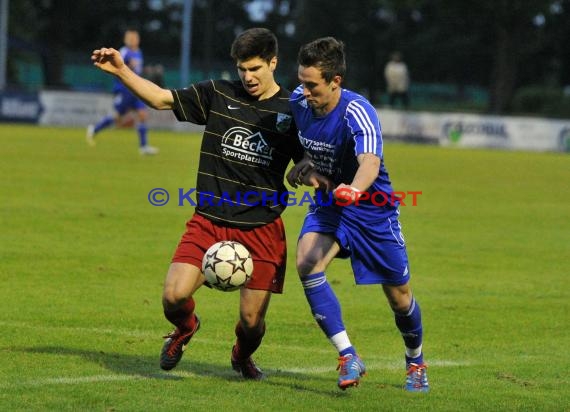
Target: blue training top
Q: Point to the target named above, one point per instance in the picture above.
(336, 139)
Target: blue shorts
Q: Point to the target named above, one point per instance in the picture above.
(125, 101)
(376, 246)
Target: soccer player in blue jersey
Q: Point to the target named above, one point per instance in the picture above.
(125, 101)
(341, 132)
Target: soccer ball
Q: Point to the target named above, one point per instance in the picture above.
(227, 265)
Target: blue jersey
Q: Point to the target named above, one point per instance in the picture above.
(133, 59)
(336, 139)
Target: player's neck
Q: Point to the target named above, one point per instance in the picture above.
(329, 107)
(270, 92)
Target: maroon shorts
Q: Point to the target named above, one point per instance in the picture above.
(265, 243)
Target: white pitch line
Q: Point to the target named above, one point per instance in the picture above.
(372, 362)
(380, 366)
(102, 331)
(147, 334)
(186, 374)
(375, 365)
(72, 381)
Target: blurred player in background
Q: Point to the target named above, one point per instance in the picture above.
(124, 101)
(397, 81)
(341, 133)
(248, 142)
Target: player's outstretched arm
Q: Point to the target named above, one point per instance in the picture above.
(367, 172)
(109, 60)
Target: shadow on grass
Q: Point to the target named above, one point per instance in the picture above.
(147, 367)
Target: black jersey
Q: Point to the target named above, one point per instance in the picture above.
(246, 147)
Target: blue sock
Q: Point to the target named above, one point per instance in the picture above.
(326, 310)
(103, 123)
(142, 130)
(410, 326)
(348, 350)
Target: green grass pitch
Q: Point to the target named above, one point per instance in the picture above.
(83, 256)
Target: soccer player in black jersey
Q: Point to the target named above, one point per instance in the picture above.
(248, 141)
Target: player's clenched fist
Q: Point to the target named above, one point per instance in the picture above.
(346, 195)
(296, 175)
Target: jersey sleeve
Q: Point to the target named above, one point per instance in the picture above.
(192, 104)
(365, 127)
(294, 101)
(298, 150)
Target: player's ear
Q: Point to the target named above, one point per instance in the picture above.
(336, 81)
(273, 63)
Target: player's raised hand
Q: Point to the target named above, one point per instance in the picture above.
(108, 60)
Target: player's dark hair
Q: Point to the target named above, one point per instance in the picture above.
(255, 42)
(326, 54)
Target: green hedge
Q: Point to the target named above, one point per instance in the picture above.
(541, 101)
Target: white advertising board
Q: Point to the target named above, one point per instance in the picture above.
(469, 130)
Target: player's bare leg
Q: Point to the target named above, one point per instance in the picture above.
(181, 282)
(249, 331)
(399, 297)
(409, 321)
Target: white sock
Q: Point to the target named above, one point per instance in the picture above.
(340, 341)
(414, 353)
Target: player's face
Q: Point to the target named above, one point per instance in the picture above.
(256, 76)
(321, 95)
(132, 40)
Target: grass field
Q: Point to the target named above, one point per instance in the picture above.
(83, 256)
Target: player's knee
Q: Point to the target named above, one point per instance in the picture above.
(400, 303)
(307, 265)
(173, 298)
(399, 297)
(400, 306)
(251, 321)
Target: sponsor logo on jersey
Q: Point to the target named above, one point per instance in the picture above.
(283, 122)
(241, 144)
(322, 154)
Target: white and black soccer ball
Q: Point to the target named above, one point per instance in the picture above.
(227, 265)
